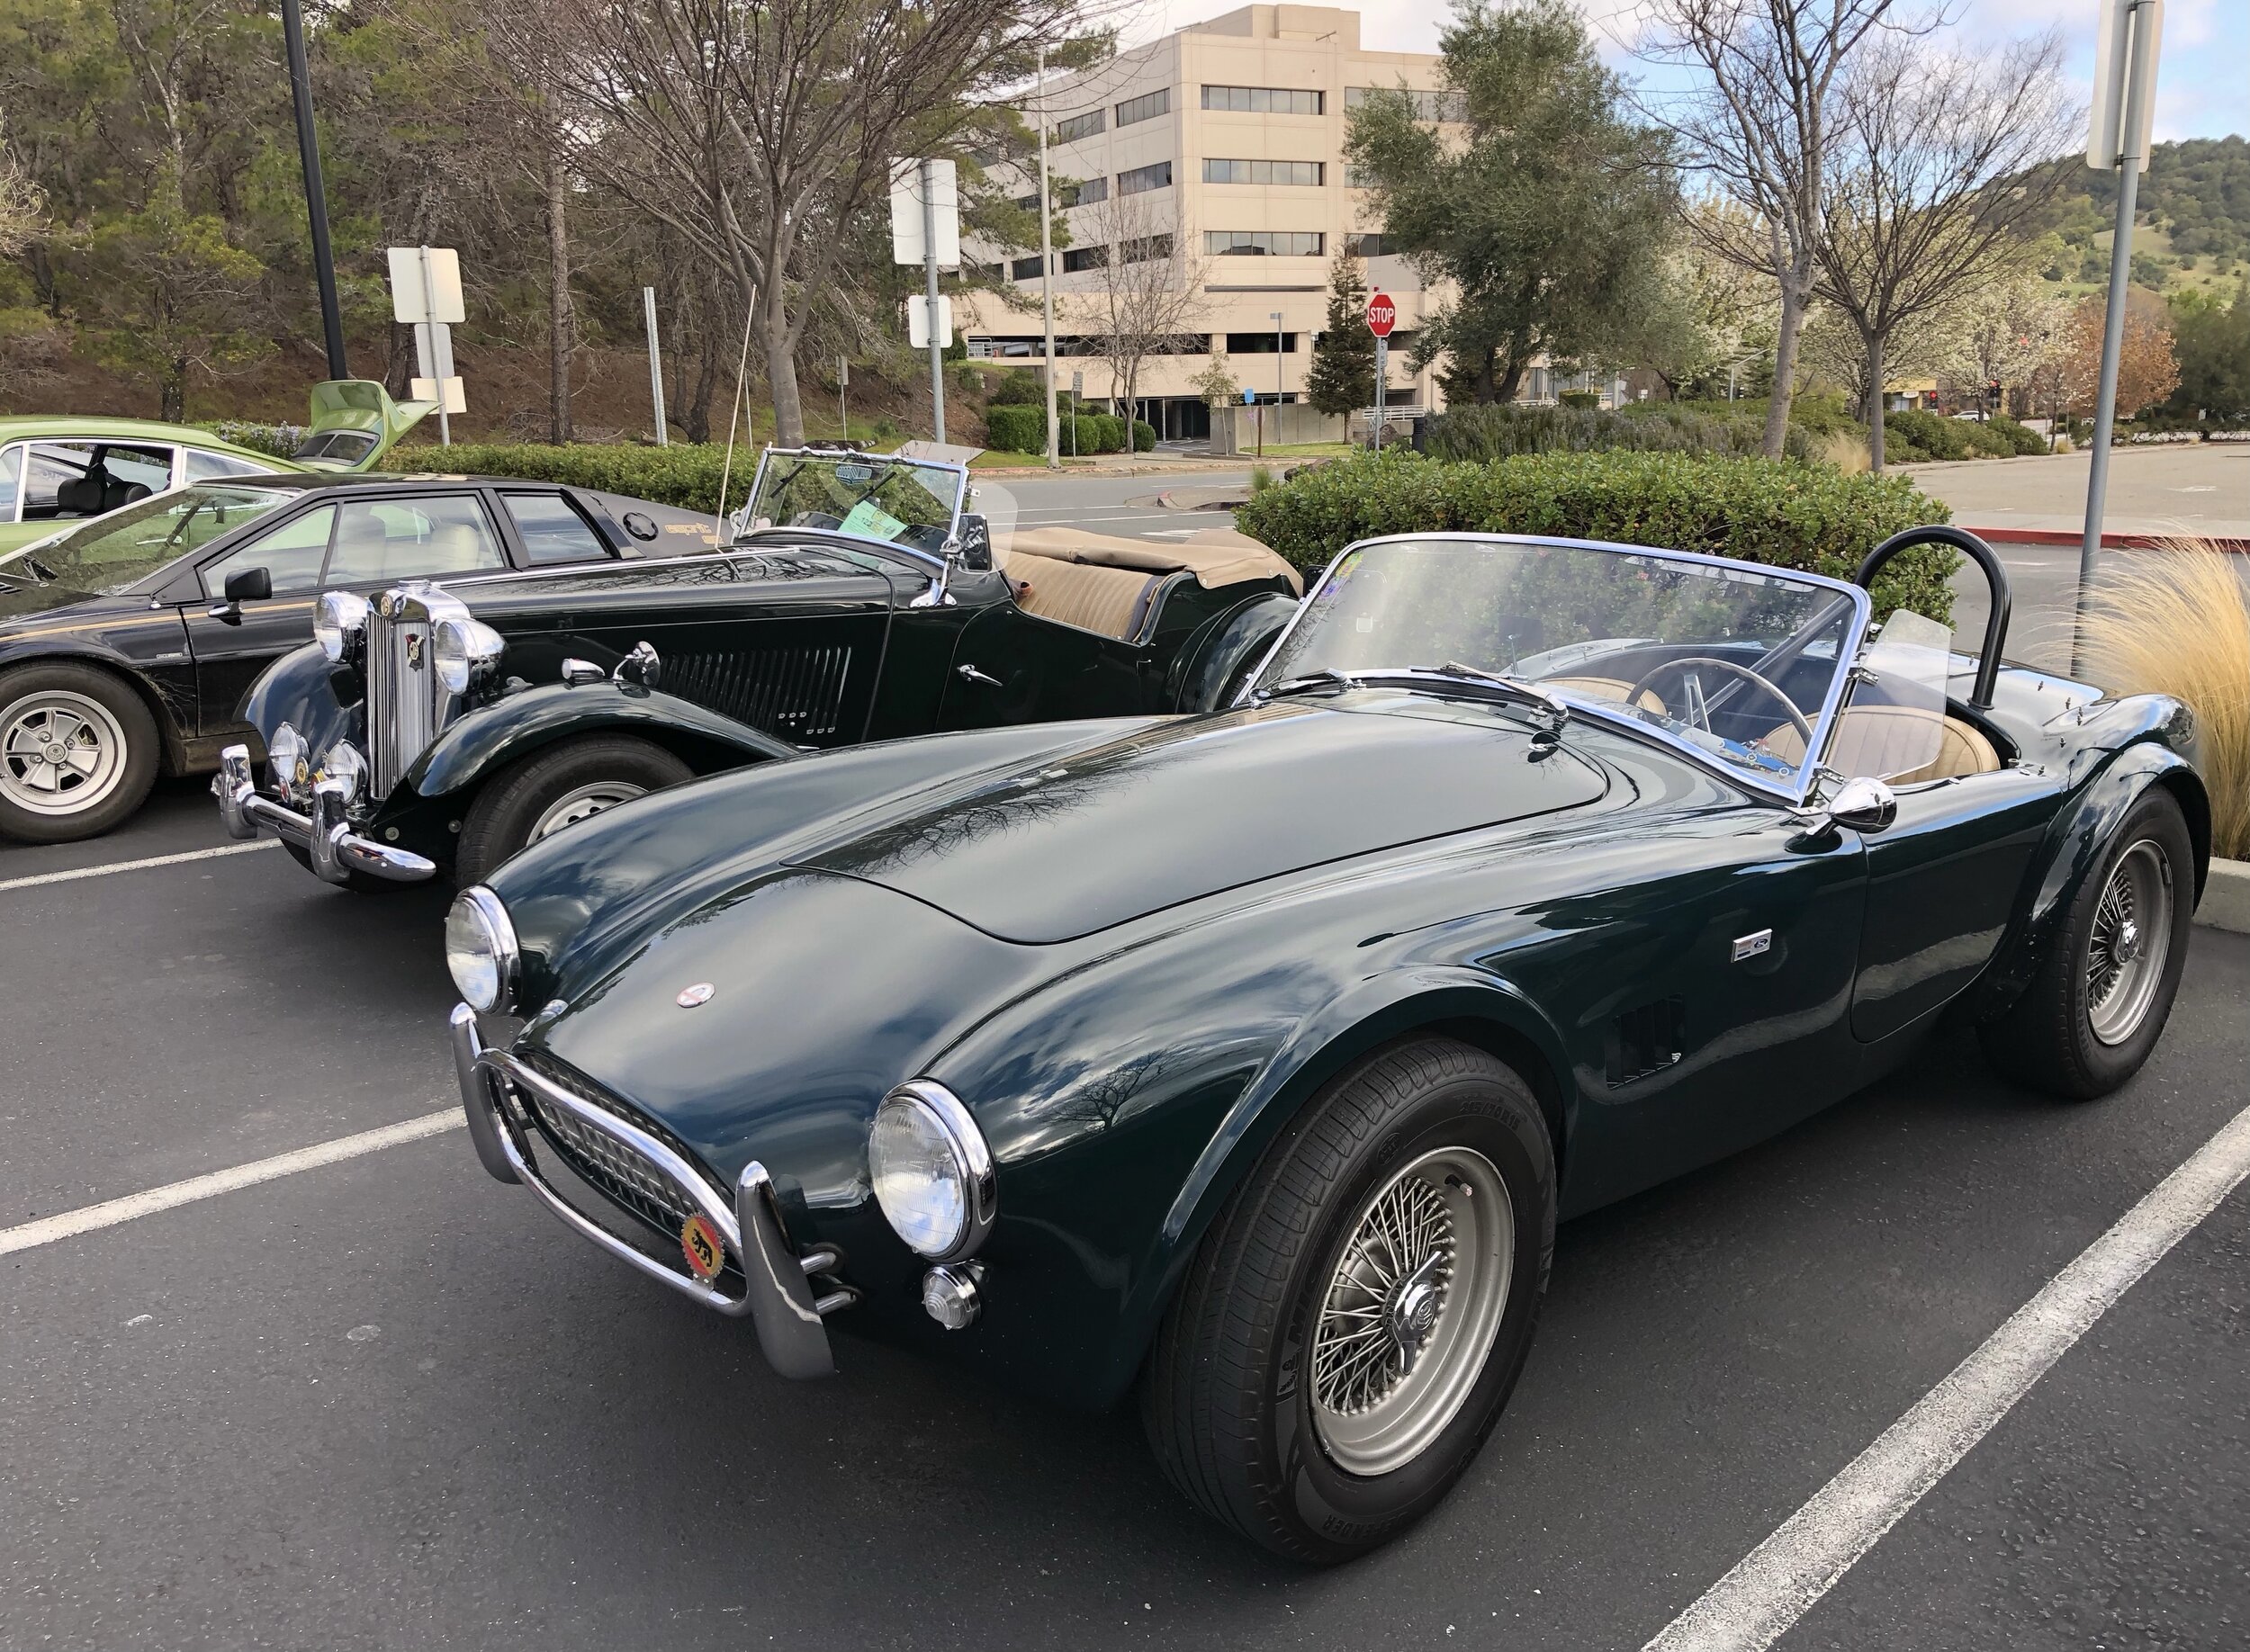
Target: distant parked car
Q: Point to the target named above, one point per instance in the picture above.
(61, 468)
(126, 643)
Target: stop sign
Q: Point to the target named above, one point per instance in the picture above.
(1381, 314)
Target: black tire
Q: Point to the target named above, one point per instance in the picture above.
(1230, 1421)
(2047, 1039)
(111, 714)
(502, 819)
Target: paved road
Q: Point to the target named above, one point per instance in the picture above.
(388, 1403)
(2204, 488)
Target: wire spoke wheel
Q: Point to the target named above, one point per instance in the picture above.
(60, 752)
(582, 804)
(1410, 1312)
(2131, 938)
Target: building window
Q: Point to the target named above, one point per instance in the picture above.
(1031, 203)
(1427, 105)
(1141, 178)
(1266, 243)
(1363, 246)
(1261, 344)
(1085, 258)
(1146, 107)
(1080, 126)
(1147, 249)
(1264, 99)
(1309, 173)
(1084, 192)
(1025, 269)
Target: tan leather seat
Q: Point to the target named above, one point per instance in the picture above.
(1876, 740)
(1113, 601)
(1605, 689)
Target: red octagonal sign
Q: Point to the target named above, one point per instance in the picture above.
(1381, 315)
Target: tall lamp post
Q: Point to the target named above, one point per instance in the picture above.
(316, 199)
(1046, 283)
(1281, 367)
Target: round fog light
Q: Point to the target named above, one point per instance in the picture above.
(949, 1294)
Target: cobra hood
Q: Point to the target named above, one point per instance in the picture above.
(1179, 810)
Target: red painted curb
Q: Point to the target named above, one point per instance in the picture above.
(2111, 542)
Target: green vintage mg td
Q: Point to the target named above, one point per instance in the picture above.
(1246, 1060)
(438, 727)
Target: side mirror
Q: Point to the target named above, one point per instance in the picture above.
(249, 584)
(1864, 804)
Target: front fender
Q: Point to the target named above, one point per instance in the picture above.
(2073, 844)
(492, 736)
(323, 702)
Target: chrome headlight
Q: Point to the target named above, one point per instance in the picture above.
(462, 647)
(283, 753)
(344, 763)
(480, 951)
(933, 1171)
(339, 624)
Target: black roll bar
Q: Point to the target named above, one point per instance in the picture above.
(1995, 578)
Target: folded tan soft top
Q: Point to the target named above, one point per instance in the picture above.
(1215, 556)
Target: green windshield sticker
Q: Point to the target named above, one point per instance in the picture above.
(871, 521)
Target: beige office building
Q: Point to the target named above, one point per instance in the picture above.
(1213, 156)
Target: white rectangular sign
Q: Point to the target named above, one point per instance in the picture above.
(456, 396)
(918, 321)
(945, 196)
(425, 285)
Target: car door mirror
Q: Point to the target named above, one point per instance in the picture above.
(1861, 803)
(249, 584)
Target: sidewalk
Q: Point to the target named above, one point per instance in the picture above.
(2156, 493)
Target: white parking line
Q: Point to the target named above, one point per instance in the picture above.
(136, 866)
(47, 1230)
(1754, 1604)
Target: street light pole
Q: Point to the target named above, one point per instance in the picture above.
(1047, 280)
(930, 296)
(1281, 368)
(316, 198)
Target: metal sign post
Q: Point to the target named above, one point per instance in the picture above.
(655, 366)
(2125, 98)
(1077, 399)
(1257, 415)
(926, 229)
(844, 382)
(930, 277)
(1383, 315)
(426, 295)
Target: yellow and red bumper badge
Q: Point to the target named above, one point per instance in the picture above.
(705, 1250)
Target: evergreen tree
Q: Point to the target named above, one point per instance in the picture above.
(1343, 374)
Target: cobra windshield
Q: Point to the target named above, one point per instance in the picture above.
(915, 503)
(1741, 664)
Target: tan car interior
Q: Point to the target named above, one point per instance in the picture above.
(1103, 583)
(1871, 741)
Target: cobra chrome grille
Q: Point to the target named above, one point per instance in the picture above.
(613, 1168)
(403, 696)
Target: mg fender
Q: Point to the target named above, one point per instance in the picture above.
(321, 700)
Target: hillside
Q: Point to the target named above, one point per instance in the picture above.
(2192, 217)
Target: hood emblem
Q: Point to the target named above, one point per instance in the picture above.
(700, 993)
(413, 651)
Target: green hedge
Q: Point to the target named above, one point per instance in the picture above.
(2020, 437)
(1144, 436)
(1475, 434)
(1785, 514)
(282, 441)
(1010, 429)
(686, 473)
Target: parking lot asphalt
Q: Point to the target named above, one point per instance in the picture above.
(388, 1403)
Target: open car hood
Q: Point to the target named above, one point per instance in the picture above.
(349, 413)
(1187, 808)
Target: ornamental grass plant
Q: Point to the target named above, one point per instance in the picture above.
(2182, 628)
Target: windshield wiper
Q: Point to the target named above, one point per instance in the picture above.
(1337, 681)
(1522, 688)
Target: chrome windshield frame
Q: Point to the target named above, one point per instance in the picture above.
(736, 525)
(1807, 777)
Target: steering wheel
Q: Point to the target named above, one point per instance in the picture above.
(1788, 707)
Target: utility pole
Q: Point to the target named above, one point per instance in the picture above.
(316, 198)
(1047, 280)
(2124, 91)
(930, 279)
(1281, 367)
(844, 382)
(655, 365)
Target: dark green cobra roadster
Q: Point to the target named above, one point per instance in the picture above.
(1247, 1059)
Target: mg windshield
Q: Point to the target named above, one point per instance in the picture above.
(1741, 664)
(108, 554)
(908, 502)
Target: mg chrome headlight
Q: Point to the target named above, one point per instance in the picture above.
(344, 763)
(339, 624)
(480, 950)
(933, 1171)
(283, 753)
(462, 647)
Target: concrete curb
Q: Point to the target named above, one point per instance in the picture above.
(2226, 903)
(2112, 540)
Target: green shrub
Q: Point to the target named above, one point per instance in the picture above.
(1014, 428)
(1019, 387)
(2020, 437)
(1580, 399)
(1985, 440)
(281, 441)
(1787, 515)
(1475, 434)
(686, 474)
(1928, 433)
(1144, 436)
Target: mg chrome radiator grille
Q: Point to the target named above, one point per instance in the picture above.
(404, 698)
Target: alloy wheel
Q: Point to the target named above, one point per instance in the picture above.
(60, 753)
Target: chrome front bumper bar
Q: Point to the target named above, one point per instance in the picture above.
(777, 1301)
(324, 835)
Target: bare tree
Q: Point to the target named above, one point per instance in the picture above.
(1936, 174)
(1758, 122)
(760, 132)
(1149, 288)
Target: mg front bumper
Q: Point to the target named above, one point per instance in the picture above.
(325, 834)
(497, 1092)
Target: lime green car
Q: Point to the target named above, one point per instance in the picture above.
(59, 468)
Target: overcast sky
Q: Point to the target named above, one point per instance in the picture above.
(2202, 86)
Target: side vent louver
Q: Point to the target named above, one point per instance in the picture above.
(1646, 1039)
(794, 692)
